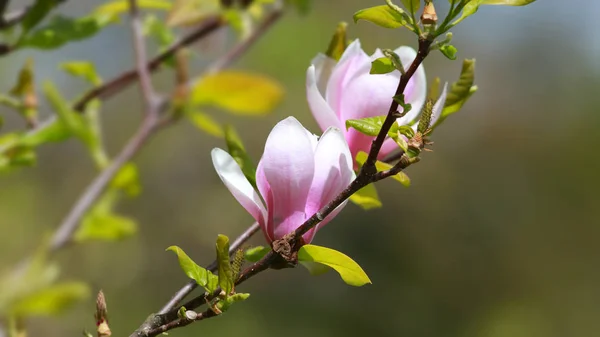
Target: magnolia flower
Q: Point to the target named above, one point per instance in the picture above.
(297, 175)
(346, 90)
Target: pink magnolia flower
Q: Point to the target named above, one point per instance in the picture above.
(346, 90)
(297, 175)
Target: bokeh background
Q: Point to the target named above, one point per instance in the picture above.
(496, 237)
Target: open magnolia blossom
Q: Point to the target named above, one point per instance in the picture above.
(297, 175)
(346, 90)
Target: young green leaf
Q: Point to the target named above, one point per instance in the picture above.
(461, 90)
(226, 280)
(61, 30)
(227, 302)
(314, 268)
(37, 13)
(128, 180)
(338, 43)
(25, 83)
(469, 9)
(105, 226)
(361, 158)
(382, 16)
(382, 65)
(349, 270)
(449, 51)
(50, 300)
(369, 126)
(367, 198)
(237, 92)
(83, 69)
(206, 123)
(254, 254)
(117, 7)
(186, 12)
(236, 149)
(412, 5)
(158, 30)
(203, 277)
(507, 2)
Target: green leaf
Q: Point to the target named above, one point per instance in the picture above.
(61, 30)
(190, 12)
(449, 51)
(314, 268)
(382, 16)
(25, 81)
(72, 120)
(461, 90)
(507, 2)
(349, 270)
(37, 13)
(82, 69)
(105, 226)
(127, 179)
(121, 6)
(52, 131)
(158, 30)
(203, 277)
(382, 65)
(367, 198)
(206, 123)
(238, 92)
(369, 126)
(401, 177)
(51, 300)
(302, 6)
(469, 9)
(412, 5)
(236, 149)
(227, 302)
(254, 254)
(226, 280)
(338, 43)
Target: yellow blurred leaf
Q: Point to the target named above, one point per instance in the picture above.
(24, 83)
(51, 300)
(120, 6)
(206, 123)
(189, 12)
(238, 92)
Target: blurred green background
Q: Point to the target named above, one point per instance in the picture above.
(496, 237)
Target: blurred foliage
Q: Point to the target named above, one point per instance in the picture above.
(496, 237)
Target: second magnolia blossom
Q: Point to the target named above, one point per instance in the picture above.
(346, 90)
(297, 175)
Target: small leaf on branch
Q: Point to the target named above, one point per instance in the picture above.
(469, 9)
(507, 2)
(460, 91)
(348, 269)
(382, 65)
(61, 30)
(236, 149)
(338, 43)
(206, 123)
(51, 300)
(227, 302)
(101, 223)
(254, 254)
(367, 198)
(226, 280)
(369, 126)
(412, 5)
(401, 177)
(127, 179)
(203, 277)
(449, 51)
(382, 16)
(118, 7)
(83, 69)
(158, 30)
(186, 12)
(24, 83)
(238, 92)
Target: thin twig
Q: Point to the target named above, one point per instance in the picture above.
(180, 322)
(242, 47)
(139, 47)
(125, 79)
(191, 285)
(67, 228)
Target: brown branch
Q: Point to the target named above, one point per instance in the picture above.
(180, 322)
(127, 78)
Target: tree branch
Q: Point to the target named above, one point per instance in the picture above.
(122, 81)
